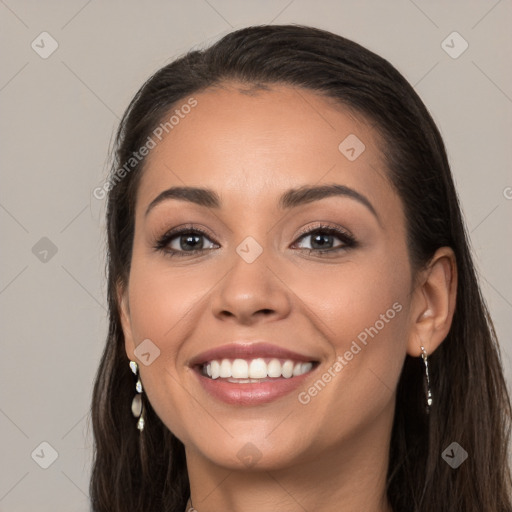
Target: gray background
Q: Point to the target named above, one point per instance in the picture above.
(58, 116)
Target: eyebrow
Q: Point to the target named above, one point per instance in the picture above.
(289, 199)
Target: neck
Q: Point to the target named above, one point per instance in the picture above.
(349, 478)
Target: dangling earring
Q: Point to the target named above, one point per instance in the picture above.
(191, 508)
(427, 378)
(137, 405)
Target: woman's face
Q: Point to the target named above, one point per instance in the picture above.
(258, 288)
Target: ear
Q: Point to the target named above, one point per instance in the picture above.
(433, 303)
(124, 314)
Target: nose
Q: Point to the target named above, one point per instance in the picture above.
(251, 293)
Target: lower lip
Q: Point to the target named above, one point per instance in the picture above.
(251, 393)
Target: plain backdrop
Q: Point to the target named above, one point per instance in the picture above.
(58, 114)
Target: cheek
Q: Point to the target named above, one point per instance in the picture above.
(161, 300)
(356, 294)
(361, 309)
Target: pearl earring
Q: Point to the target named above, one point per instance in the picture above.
(137, 405)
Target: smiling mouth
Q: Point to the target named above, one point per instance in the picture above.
(252, 371)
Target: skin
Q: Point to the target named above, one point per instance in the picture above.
(330, 454)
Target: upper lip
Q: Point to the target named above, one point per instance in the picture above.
(248, 350)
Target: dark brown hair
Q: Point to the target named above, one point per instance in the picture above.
(471, 405)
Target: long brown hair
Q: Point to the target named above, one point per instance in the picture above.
(471, 406)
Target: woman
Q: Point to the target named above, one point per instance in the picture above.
(295, 319)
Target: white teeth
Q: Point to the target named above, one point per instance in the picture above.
(243, 381)
(306, 367)
(257, 369)
(242, 371)
(215, 369)
(225, 369)
(274, 368)
(287, 370)
(239, 369)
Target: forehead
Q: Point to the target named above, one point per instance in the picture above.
(250, 145)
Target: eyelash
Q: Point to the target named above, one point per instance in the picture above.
(346, 238)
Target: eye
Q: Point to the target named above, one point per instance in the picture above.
(321, 239)
(184, 241)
